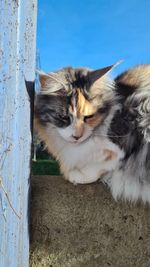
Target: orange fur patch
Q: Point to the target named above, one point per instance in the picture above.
(79, 128)
(109, 155)
(94, 121)
(80, 110)
(84, 107)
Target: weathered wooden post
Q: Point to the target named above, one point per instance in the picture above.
(17, 65)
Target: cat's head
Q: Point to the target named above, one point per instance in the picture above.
(75, 101)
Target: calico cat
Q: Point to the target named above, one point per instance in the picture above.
(98, 128)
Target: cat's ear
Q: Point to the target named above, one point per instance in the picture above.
(95, 75)
(50, 82)
(44, 80)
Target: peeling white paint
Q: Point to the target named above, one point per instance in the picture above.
(17, 63)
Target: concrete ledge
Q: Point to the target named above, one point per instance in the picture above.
(82, 226)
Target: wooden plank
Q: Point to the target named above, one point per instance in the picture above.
(17, 63)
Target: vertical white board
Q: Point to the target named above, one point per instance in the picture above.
(17, 64)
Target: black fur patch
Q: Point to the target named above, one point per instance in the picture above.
(126, 128)
(105, 108)
(53, 109)
(124, 132)
(123, 89)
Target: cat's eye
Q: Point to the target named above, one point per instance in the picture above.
(88, 117)
(66, 119)
(63, 117)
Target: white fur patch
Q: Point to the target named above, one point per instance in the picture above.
(68, 133)
(83, 162)
(128, 188)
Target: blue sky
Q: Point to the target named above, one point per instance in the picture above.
(93, 33)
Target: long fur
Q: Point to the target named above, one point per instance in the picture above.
(117, 148)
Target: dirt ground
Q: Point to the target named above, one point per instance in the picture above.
(82, 226)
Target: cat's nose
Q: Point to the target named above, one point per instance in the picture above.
(76, 137)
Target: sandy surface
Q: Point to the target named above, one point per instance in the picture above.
(82, 226)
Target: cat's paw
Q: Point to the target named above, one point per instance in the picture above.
(77, 177)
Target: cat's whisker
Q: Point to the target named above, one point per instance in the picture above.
(103, 135)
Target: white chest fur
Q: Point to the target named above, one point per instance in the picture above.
(84, 162)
